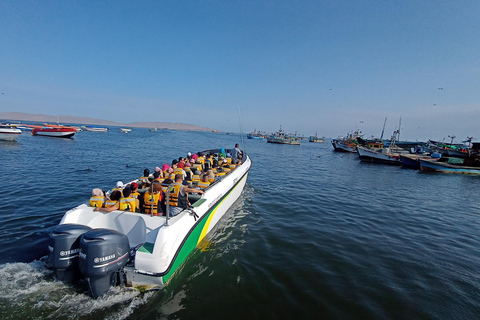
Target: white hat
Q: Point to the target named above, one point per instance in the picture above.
(189, 154)
(119, 184)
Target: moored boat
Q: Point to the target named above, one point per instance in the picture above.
(141, 250)
(378, 155)
(448, 167)
(9, 133)
(95, 129)
(54, 131)
(280, 137)
(315, 138)
(125, 130)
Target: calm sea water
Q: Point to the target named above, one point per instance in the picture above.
(316, 234)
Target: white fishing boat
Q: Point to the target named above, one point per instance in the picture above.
(9, 133)
(125, 130)
(141, 250)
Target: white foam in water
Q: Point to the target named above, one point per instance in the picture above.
(27, 290)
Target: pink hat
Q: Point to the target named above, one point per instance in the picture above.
(157, 169)
(194, 156)
(192, 160)
(165, 167)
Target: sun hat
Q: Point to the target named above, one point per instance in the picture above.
(119, 184)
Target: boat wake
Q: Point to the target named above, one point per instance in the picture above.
(27, 291)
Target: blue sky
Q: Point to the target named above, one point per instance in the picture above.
(310, 66)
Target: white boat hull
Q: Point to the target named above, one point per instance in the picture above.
(163, 245)
(371, 155)
(9, 134)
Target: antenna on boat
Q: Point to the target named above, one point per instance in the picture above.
(381, 136)
(241, 129)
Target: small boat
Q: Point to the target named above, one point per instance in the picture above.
(154, 130)
(95, 129)
(140, 250)
(54, 131)
(9, 133)
(346, 144)
(281, 137)
(448, 165)
(387, 155)
(315, 138)
(256, 135)
(125, 130)
(412, 161)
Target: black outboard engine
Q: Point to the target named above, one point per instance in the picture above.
(103, 253)
(63, 249)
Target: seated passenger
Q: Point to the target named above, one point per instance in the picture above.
(144, 179)
(119, 186)
(152, 200)
(196, 177)
(204, 183)
(112, 203)
(137, 195)
(178, 194)
(127, 202)
(157, 177)
(97, 199)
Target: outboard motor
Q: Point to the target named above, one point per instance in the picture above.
(103, 254)
(63, 249)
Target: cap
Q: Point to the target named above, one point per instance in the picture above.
(189, 154)
(133, 185)
(119, 184)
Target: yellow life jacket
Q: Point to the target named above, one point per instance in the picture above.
(110, 203)
(117, 189)
(151, 202)
(128, 204)
(97, 201)
(178, 171)
(226, 169)
(229, 160)
(201, 159)
(211, 180)
(135, 194)
(203, 184)
(176, 199)
(219, 174)
(196, 178)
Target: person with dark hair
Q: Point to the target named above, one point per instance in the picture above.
(127, 202)
(236, 154)
(178, 195)
(112, 203)
(144, 179)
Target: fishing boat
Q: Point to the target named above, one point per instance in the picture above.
(412, 161)
(448, 166)
(281, 137)
(124, 130)
(9, 133)
(346, 144)
(463, 165)
(95, 129)
(256, 135)
(139, 250)
(315, 138)
(388, 155)
(54, 131)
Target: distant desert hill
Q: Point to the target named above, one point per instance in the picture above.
(83, 120)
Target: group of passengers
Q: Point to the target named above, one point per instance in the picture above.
(191, 174)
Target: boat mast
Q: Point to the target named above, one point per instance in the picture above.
(381, 136)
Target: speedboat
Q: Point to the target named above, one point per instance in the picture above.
(125, 130)
(9, 133)
(135, 249)
(54, 131)
(96, 129)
